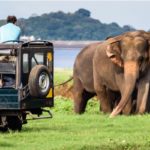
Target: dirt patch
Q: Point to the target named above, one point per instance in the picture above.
(64, 90)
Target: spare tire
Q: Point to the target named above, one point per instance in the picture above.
(39, 81)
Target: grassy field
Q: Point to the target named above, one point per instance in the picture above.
(62, 75)
(90, 131)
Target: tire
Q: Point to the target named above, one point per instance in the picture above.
(39, 81)
(4, 124)
(14, 123)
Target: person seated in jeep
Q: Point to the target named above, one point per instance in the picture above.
(10, 31)
(7, 81)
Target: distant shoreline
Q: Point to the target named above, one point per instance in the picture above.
(72, 44)
(61, 43)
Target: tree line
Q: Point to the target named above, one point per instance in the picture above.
(69, 26)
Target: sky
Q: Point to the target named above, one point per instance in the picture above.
(133, 12)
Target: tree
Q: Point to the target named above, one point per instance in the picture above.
(83, 12)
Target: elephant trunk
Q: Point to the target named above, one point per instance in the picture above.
(131, 73)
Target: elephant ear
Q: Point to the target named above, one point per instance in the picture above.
(113, 51)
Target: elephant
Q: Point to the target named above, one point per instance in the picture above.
(84, 90)
(113, 65)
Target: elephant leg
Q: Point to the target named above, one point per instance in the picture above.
(143, 91)
(81, 96)
(127, 109)
(114, 98)
(101, 92)
(148, 103)
(105, 104)
(86, 96)
(143, 94)
(77, 93)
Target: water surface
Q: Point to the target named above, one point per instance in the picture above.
(65, 57)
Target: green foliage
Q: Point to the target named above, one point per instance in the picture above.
(69, 26)
(65, 107)
(83, 12)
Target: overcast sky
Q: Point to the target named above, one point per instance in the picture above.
(133, 12)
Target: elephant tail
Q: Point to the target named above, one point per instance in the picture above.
(63, 83)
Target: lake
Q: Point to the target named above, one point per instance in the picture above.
(65, 57)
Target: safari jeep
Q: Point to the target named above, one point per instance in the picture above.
(26, 82)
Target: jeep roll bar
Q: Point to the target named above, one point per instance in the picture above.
(37, 42)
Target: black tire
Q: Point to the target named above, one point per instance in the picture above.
(14, 123)
(4, 129)
(39, 81)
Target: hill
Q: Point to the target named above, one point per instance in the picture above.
(69, 26)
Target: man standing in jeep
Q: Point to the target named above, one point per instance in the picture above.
(10, 31)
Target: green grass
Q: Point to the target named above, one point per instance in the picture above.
(62, 75)
(91, 131)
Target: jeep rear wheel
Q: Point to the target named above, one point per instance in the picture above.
(39, 81)
(14, 123)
